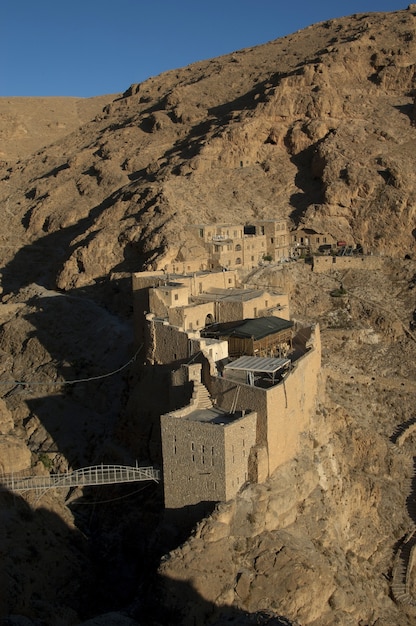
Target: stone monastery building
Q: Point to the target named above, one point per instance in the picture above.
(231, 246)
(243, 375)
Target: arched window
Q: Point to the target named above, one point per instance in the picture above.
(238, 261)
(238, 247)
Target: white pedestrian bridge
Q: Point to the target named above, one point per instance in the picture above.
(87, 476)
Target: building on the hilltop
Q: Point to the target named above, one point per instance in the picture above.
(310, 241)
(278, 244)
(251, 371)
(234, 304)
(263, 336)
(231, 246)
(206, 451)
(199, 300)
(246, 417)
(144, 298)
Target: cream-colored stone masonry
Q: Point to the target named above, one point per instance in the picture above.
(196, 283)
(328, 263)
(284, 410)
(205, 455)
(230, 246)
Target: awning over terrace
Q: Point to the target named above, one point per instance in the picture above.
(253, 365)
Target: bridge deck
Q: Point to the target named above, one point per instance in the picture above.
(96, 475)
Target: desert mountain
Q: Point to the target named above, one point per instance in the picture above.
(29, 124)
(318, 127)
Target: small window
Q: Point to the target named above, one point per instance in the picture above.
(201, 232)
(176, 296)
(272, 239)
(238, 261)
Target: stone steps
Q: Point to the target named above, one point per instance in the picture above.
(201, 396)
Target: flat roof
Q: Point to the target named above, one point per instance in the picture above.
(239, 295)
(257, 364)
(214, 415)
(255, 328)
(170, 285)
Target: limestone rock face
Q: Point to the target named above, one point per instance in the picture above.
(6, 419)
(317, 127)
(14, 454)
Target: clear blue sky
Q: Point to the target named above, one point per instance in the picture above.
(96, 47)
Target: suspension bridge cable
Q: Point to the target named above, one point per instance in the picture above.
(75, 380)
(70, 502)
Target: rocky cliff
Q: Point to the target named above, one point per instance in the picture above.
(318, 127)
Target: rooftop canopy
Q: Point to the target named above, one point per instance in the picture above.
(256, 364)
(256, 328)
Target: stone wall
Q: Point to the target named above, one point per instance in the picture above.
(166, 343)
(328, 263)
(254, 249)
(284, 410)
(227, 393)
(192, 317)
(202, 461)
(141, 283)
(291, 404)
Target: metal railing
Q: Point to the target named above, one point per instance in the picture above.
(95, 475)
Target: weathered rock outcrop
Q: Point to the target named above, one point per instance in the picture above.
(318, 127)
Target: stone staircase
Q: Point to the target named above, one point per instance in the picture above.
(406, 552)
(400, 587)
(200, 397)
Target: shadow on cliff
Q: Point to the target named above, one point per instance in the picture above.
(172, 601)
(41, 261)
(52, 573)
(311, 186)
(44, 568)
(74, 359)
